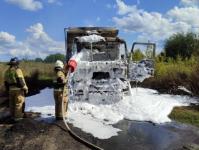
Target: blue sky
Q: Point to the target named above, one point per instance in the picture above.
(34, 28)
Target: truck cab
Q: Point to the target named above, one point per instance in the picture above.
(104, 69)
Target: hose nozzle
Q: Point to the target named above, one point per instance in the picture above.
(72, 64)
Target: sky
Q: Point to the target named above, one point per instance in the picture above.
(35, 28)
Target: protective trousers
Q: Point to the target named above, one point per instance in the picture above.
(16, 103)
(60, 95)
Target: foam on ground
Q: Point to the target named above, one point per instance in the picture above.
(97, 119)
(42, 103)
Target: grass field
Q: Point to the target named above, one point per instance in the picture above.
(33, 72)
(169, 75)
(189, 115)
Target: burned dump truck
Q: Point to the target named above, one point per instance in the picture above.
(104, 68)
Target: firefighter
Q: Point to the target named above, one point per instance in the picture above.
(60, 89)
(17, 88)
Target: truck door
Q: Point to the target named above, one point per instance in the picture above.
(141, 61)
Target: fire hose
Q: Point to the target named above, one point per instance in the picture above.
(72, 67)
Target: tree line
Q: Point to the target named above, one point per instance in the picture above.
(49, 59)
(179, 45)
(184, 45)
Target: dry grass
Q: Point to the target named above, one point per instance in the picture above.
(2, 70)
(29, 69)
(45, 70)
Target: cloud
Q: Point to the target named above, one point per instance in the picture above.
(37, 44)
(192, 3)
(10, 47)
(39, 39)
(123, 8)
(31, 5)
(153, 25)
(187, 15)
(6, 37)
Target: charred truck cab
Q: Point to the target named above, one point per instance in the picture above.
(103, 68)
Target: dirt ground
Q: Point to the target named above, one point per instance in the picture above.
(29, 134)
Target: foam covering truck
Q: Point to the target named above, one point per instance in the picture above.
(104, 65)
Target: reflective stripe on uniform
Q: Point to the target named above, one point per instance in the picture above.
(19, 73)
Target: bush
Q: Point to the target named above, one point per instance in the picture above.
(183, 45)
(54, 57)
(38, 60)
(137, 55)
(194, 80)
(173, 73)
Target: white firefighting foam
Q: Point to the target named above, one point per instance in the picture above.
(97, 119)
(99, 112)
(107, 90)
(139, 71)
(91, 38)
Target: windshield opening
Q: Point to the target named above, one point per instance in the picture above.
(100, 51)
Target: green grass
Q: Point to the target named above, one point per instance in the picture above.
(173, 73)
(188, 115)
(173, 67)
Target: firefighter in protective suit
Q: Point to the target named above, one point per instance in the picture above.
(60, 90)
(17, 88)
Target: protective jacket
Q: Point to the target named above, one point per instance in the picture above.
(60, 93)
(60, 80)
(16, 86)
(14, 79)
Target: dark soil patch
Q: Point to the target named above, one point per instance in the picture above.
(164, 86)
(31, 134)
